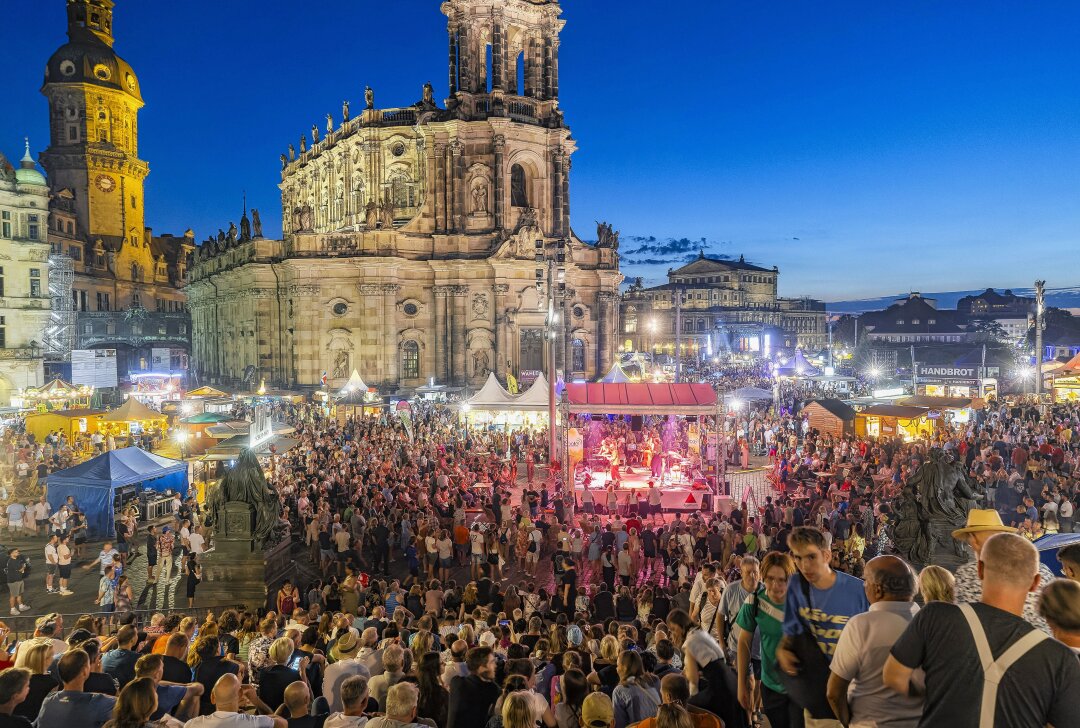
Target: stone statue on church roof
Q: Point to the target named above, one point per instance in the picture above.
(369, 97)
(256, 222)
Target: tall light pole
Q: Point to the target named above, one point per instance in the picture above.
(556, 285)
(1040, 306)
(677, 299)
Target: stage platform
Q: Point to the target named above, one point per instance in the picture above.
(673, 497)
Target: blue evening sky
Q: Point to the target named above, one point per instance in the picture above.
(865, 148)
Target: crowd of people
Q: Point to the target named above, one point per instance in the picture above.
(459, 587)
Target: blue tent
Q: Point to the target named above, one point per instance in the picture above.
(94, 483)
(1048, 547)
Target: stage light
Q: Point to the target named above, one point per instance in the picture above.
(181, 436)
(735, 404)
(466, 407)
(875, 373)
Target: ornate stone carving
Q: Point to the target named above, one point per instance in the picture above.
(500, 288)
(369, 289)
(304, 290)
(480, 304)
(441, 291)
(389, 288)
(459, 291)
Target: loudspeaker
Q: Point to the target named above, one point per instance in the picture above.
(635, 423)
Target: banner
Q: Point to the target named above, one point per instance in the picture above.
(694, 439)
(576, 444)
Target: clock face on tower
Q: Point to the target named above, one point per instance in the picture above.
(105, 183)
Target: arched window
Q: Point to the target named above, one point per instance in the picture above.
(577, 359)
(410, 360)
(519, 195)
(401, 192)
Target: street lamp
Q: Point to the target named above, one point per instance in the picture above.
(181, 437)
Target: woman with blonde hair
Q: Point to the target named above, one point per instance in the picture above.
(422, 643)
(937, 585)
(517, 709)
(673, 715)
(37, 660)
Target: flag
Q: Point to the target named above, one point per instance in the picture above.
(324, 379)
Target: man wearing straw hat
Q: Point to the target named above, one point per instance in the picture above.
(981, 525)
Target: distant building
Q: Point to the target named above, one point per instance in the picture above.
(991, 304)
(728, 306)
(914, 320)
(122, 284)
(24, 275)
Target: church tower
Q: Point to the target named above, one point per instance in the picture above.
(94, 101)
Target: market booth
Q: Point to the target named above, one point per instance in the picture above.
(682, 486)
(830, 416)
(958, 410)
(1066, 382)
(493, 406)
(892, 420)
(197, 439)
(132, 418)
(73, 423)
(104, 485)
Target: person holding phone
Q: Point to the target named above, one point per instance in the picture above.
(281, 673)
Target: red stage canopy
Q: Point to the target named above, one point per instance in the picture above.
(642, 399)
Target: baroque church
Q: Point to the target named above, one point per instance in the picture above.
(412, 235)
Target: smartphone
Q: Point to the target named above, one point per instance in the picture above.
(14, 646)
(294, 663)
(504, 622)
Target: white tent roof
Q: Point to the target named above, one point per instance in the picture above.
(355, 384)
(616, 375)
(492, 396)
(535, 397)
(750, 393)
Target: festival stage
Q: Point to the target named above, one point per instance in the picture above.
(678, 496)
(750, 486)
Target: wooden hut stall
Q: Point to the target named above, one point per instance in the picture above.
(830, 416)
(891, 420)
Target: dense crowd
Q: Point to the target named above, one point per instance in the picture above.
(517, 604)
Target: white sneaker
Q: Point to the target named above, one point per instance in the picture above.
(66, 592)
(14, 612)
(24, 607)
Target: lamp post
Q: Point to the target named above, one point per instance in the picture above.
(555, 277)
(1040, 306)
(181, 441)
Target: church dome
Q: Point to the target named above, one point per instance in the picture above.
(88, 60)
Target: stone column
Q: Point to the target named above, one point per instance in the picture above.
(439, 339)
(498, 55)
(458, 334)
(372, 305)
(452, 32)
(604, 302)
(528, 58)
(390, 345)
(566, 196)
(549, 47)
(440, 189)
(500, 181)
(458, 166)
(567, 335)
(553, 88)
(464, 56)
(500, 320)
(557, 157)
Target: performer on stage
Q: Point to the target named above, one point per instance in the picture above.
(658, 465)
(615, 476)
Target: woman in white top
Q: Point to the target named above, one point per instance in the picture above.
(703, 657)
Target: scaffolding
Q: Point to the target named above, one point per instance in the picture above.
(60, 333)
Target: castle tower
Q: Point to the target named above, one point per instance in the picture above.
(94, 101)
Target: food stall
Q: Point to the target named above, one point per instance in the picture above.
(1066, 382)
(892, 420)
(959, 410)
(196, 438)
(830, 416)
(132, 418)
(77, 424)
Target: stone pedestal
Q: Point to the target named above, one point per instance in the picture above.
(239, 571)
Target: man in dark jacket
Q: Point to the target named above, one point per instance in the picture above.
(472, 696)
(603, 604)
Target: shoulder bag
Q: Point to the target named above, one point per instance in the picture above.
(808, 687)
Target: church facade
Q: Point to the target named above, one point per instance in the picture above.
(412, 235)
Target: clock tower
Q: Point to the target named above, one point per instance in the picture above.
(94, 101)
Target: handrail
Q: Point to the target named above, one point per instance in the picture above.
(22, 626)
